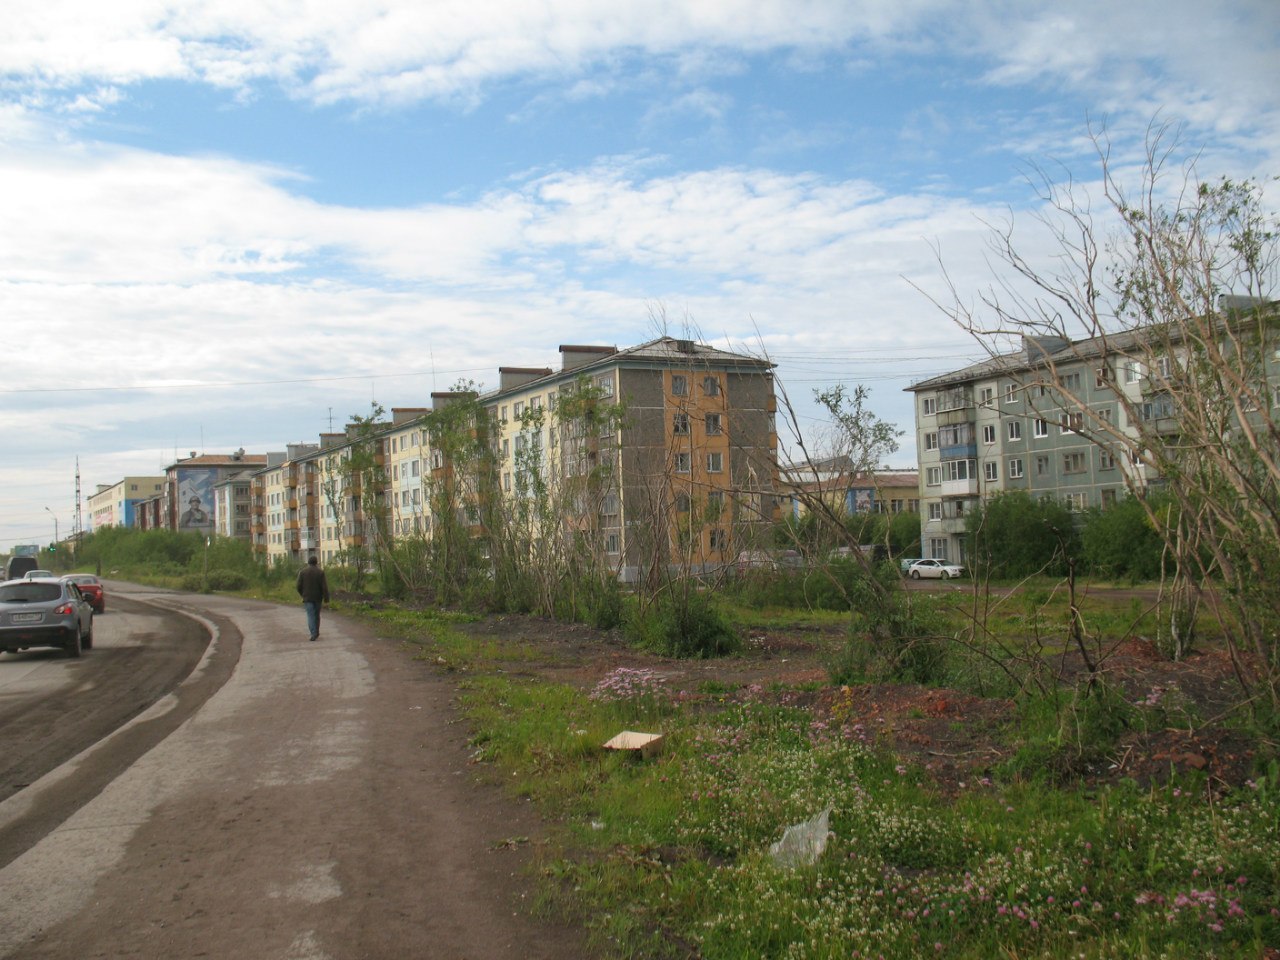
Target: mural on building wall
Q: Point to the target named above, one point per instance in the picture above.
(195, 499)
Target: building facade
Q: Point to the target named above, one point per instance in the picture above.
(1057, 420)
(114, 505)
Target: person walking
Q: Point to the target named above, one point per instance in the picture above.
(313, 588)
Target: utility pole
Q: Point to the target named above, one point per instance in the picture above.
(78, 531)
(55, 530)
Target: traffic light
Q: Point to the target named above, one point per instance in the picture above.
(53, 548)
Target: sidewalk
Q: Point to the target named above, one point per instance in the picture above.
(319, 805)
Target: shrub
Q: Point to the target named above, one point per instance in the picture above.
(692, 626)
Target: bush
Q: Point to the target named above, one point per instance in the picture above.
(692, 626)
(893, 637)
(1016, 535)
(1065, 732)
(1120, 542)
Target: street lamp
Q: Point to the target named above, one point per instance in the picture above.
(55, 527)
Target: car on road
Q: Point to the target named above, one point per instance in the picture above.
(92, 589)
(18, 565)
(39, 575)
(936, 569)
(44, 613)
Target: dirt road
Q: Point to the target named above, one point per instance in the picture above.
(319, 804)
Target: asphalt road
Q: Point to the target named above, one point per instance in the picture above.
(287, 801)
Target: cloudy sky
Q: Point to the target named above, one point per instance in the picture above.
(227, 224)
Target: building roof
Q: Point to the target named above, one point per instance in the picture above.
(239, 459)
(664, 351)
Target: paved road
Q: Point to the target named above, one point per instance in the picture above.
(310, 801)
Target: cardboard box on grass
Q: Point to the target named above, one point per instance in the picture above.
(644, 745)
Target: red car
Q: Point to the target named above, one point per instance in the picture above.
(91, 587)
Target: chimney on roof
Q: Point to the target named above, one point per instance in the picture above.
(1037, 349)
(193, 455)
(401, 415)
(685, 346)
(575, 355)
(509, 377)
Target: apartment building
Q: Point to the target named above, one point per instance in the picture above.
(848, 491)
(1056, 419)
(284, 504)
(407, 469)
(187, 500)
(114, 504)
(687, 475)
(233, 506)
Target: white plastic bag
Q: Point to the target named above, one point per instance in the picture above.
(802, 843)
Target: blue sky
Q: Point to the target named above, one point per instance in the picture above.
(226, 222)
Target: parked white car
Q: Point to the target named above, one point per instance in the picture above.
(937, 569)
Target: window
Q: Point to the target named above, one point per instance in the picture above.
(991, 471)
(986, 396)
(503, 415)
(715, 504)
(1015, 468)
(606, 386)
(1041, 428)
(931, 440)
(928, 406)
(1070, 422)
(1010, 393)
(682, 462)
(679, 385)
(1108, 497)
(680, 424)
(935, 511)
(933, 476)
(609, 505)
(506, 482)
(715, 462)
(713, 424)
(1101, 376)
(1014, 429)
(938, 548)
(682, 503)
(711, 386)
(1133, 371)
(518, 411)
(1042, 466)
(535, 403)
(718, 539)
(1075, 502)
(1071, 381)
(960, 469)
(1164, 367)
(989, 434)
(612, 544)
(1106, 460)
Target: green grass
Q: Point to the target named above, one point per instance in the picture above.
(670, 857)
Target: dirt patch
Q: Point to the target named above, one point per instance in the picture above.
(1182, 724)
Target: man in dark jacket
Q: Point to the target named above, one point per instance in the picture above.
(313, 588)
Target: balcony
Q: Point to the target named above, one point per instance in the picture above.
(955, 415)
(959, 451)
(960, 488)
